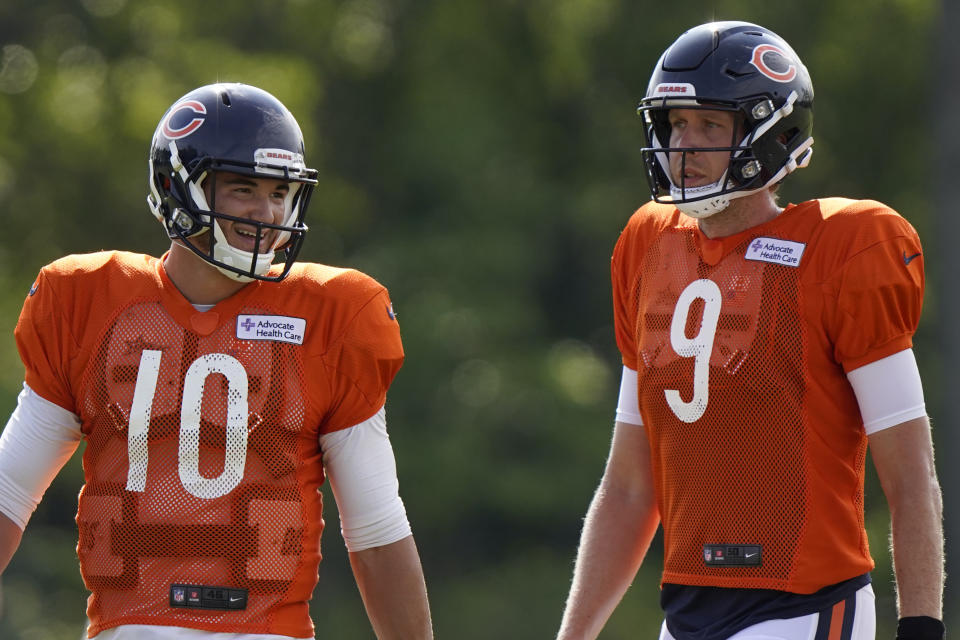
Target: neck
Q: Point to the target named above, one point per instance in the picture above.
(741, 214)
(197, 280)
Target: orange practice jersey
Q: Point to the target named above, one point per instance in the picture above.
(741, 346)
(202, 464)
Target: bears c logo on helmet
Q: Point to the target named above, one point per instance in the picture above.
(762, 53)
(188, 106)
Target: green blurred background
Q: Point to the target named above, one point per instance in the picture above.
(479, 158)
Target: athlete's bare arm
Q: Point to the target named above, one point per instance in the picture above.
(617, 531)
(903, 457)
(391, 583)
(10, 535)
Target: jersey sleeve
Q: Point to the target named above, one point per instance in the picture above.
(362, 364)
(879, 295)
(46, 344)
(625, 281)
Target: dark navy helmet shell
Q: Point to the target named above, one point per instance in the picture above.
(240, 129)
(739, 67)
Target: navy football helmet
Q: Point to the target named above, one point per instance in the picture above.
(240, 129)
(742, 68)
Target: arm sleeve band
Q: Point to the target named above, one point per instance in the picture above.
(38, 440)
(362, 470)
(888, 391)
(628, 406)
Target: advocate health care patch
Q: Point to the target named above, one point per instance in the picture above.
(279, 328)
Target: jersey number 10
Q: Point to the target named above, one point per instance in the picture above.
(235, 449)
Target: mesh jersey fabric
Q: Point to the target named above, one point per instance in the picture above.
(202, 463)
(755, 434)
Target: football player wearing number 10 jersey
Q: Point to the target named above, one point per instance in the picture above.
(215, 391)
(766, 350)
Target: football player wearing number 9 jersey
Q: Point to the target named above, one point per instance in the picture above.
(215, 391)
(766, 349)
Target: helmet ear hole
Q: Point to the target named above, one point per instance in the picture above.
(787, 137)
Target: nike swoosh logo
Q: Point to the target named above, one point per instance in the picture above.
(908, 259)
(232, 599)
(750, 555)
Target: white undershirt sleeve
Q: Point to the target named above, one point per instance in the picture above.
(889, 391)
(628, 405)
(39, 438)
(360, 464)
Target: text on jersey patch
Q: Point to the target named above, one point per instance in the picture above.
(279, 328)
(775, 250)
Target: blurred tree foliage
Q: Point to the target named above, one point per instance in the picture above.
(478, 157)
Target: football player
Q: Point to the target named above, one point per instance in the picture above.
(766, 349)
(215, 391)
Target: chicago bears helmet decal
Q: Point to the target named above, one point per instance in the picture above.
(759, 60)
(176, 115)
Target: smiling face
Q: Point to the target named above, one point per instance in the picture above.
(700, 129)
(255, 199)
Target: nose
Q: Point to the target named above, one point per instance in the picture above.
(263, 208)
(691, 138)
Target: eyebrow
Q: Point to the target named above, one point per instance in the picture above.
(249, 182)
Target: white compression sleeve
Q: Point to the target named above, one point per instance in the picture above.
(889, 391)
(362, 470)
(38, 440)
(41, 436)
(628, 405)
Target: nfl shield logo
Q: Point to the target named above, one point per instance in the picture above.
(179, 594)
(707, 555)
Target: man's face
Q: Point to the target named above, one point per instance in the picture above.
(700, 128)
(258, 199)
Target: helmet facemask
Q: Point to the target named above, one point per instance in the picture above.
(737, 67)
(185, 168)
(758, 127)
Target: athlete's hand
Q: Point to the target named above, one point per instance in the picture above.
(920, 628)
